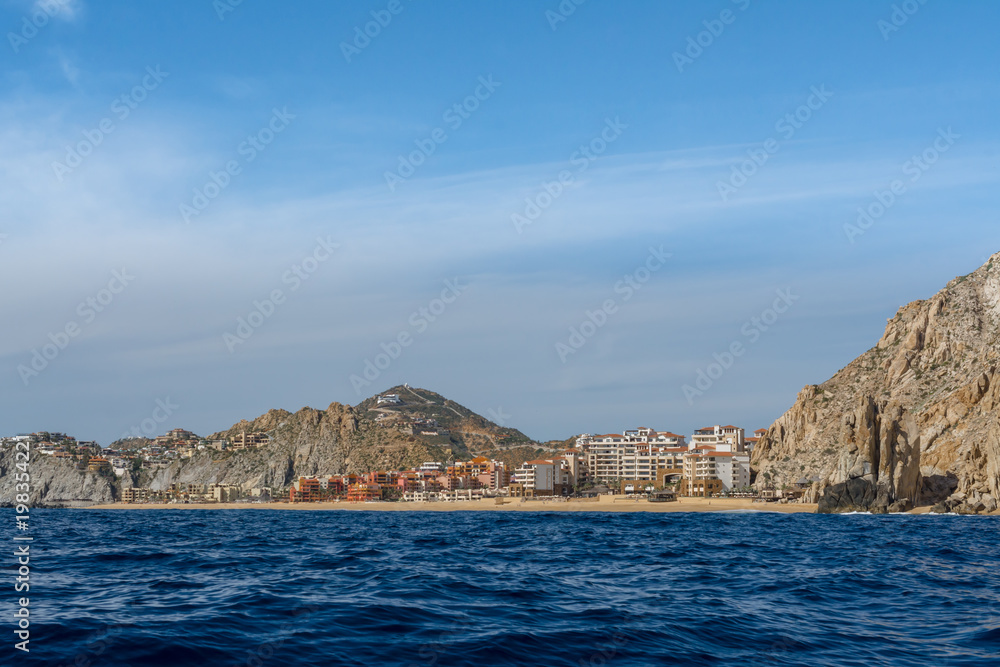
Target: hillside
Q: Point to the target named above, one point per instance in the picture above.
(914, 420)
(54, 482)
(345, 439)
(467, 430)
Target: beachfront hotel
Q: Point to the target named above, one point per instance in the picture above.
(642, 459)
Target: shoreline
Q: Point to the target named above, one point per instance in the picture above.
(699, 505)
(489, 505)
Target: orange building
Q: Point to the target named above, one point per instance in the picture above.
(336, 486)
(363, 492)
(408, 480)
(98, 463)
(306, 490)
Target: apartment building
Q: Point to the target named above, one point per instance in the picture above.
(225, 493)
(305, 490)
(640, 459)
(363, 492)
(637, 455)
(381, 477)
(460, 494)
(540, 477)
(480, 472)
(720, 438)
(136, 495)
(409, 481)
(98, 463)
(707, 472)
(176, 435)
(246, 440)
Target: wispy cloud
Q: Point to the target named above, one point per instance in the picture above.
(69, 69)
(66, 10)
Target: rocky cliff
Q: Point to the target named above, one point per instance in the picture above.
(54, 482)
(914, 420)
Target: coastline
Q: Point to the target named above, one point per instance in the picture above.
(488, 505)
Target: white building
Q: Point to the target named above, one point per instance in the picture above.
(708, 471)
(636, 454)
(719, 438)
(541, 478)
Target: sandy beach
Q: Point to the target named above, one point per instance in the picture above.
(605, 504)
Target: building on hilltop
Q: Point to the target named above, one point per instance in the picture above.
(246, 440)
(98, 463)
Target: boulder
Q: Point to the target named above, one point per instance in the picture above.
(855, 495)
(900, 506)
(989, 502)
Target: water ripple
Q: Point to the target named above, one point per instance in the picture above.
(345, 588)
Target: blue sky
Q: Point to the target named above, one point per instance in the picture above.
(308, 129)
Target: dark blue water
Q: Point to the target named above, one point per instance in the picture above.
(364, 588)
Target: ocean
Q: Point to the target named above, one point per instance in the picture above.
(262, 587)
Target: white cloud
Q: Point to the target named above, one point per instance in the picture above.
(67, 10)
(69, 69)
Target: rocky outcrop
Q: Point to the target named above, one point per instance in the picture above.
(914, 420)
(53, 482)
